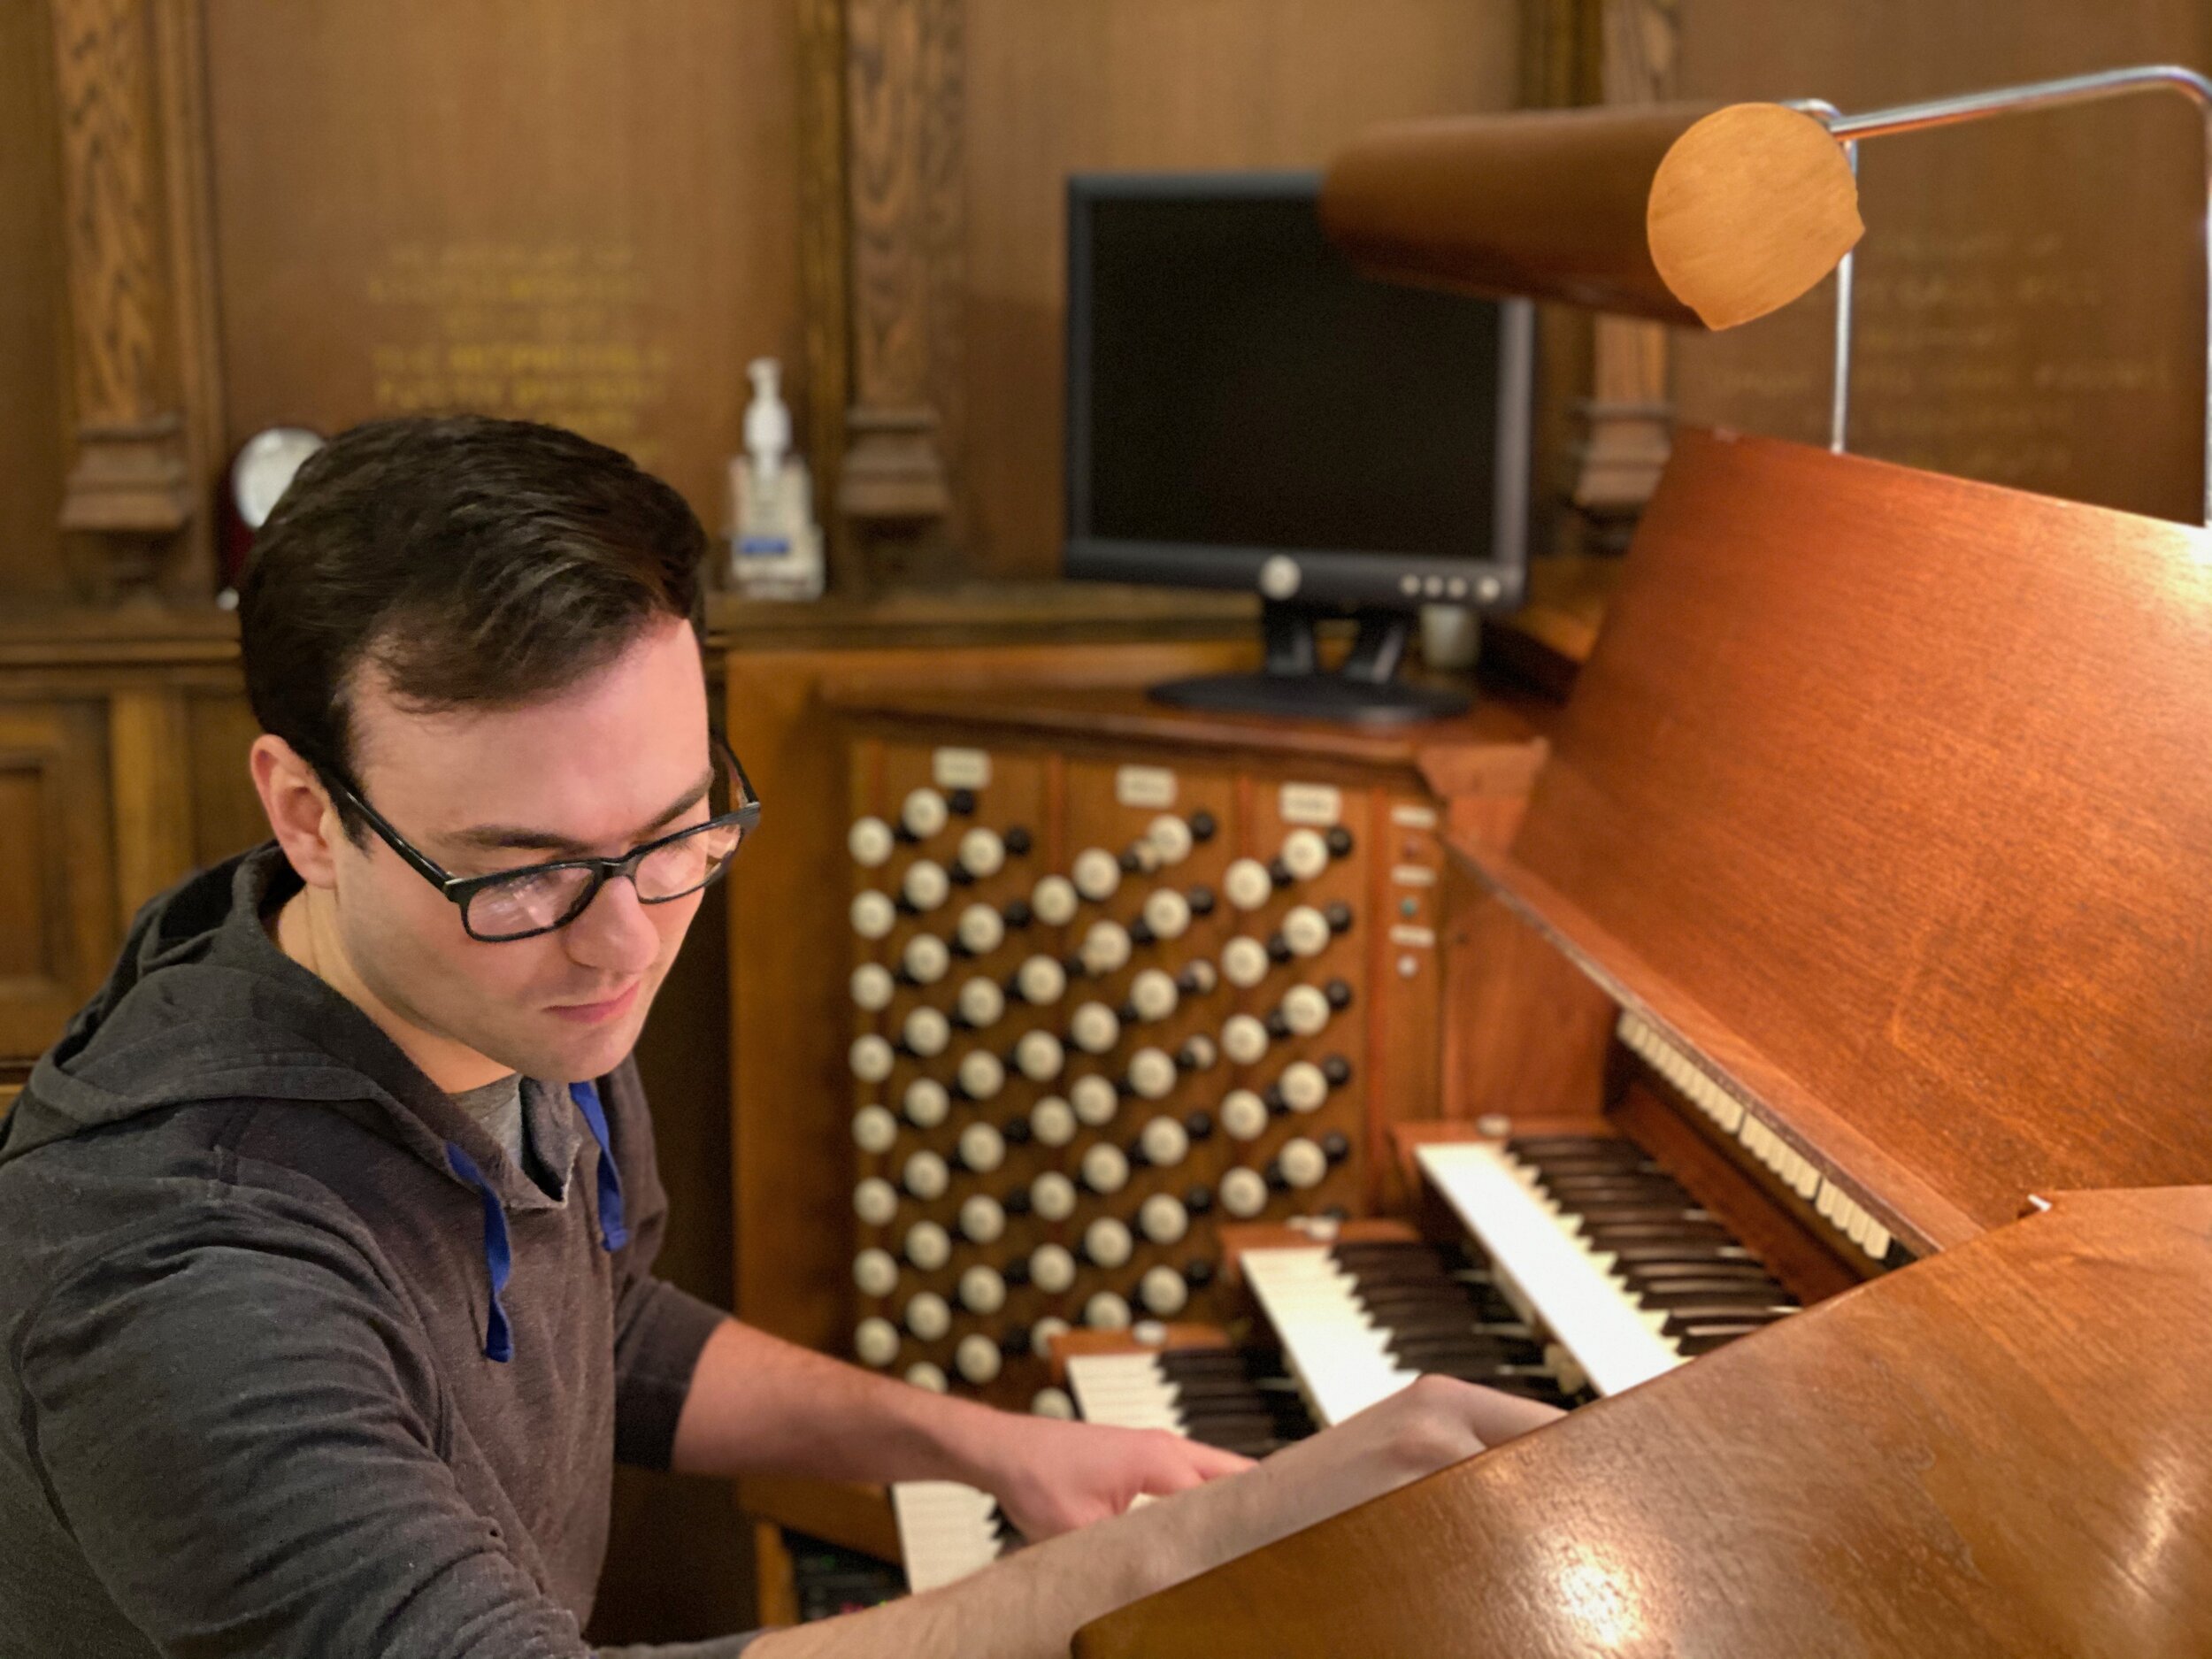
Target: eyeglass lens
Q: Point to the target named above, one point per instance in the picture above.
(536, 900)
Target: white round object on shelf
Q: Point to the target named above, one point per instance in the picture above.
(870, 1057)
(868, 840)
(982, 1290)
(1152, 1073)
(1162, 1219)
(922, 1374)
(1246, 885)
(1167, 913)
(1107, 1242)
(1305, 930)
(1052, 1402)
(1105, 949)
(926, 1176)
(1041, 981)
(1094, 1028)
(1052, 1269)
(925, 884)
(983, 1148)
(1105, 1169)
(976, 1358)
(1243, 1115)
(1052, 1195)
(924, 813)
(1305, 1010)
(876, 1341)
(1043, 1331)
(874, 914)
(926, 1032)
(1243, 1193)
(1303, 1163)
(1162, 1292)
(981, 1003)
(1095, 1100)
(983, 853)
(1052, 1122)
(875, 1201)
(925, 1103)
(1106, 1311)
(872, 986)
(1243, 1039)
(1244, 962)
(1170, 838)
(928, 1245)
(1166, 1143)
(982, 930)
(982, 1075)
(926, 1315)
(875, 1272)
(874, 1129)
(1153, 995)
(1303, 1086)
(982, 1218)
(925, 959)
(1053, 901)
(1305, 854)
(1039, 1057)
(1097, 873)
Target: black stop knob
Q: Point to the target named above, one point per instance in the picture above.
(1339, 915)
(1016, 1202)
(1338, 992)
(1016, 839)
(1201, 900)
(1201, 825)
(1199, 1126)
(1340, 841)
(1017, 1132)
(1335, 1148)
(1337, 1068)
(1199, 1200)
(1017, 913)
(1198, 1272)
(962, 800)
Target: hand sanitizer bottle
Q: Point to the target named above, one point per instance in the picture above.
(775, 547)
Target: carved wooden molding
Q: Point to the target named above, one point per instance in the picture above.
(825, 292)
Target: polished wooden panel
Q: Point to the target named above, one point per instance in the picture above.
(34, 310)
(1885, 792)
(59, 899)
(1995, 1452)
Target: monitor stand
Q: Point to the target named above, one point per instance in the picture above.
(1294, 685)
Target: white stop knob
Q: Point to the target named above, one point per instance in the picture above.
(924, 813)
(925, 959)
(1243, 1039)
(925, 1103)
(1052, 1122)
(976, 1358)
(875, 1272)
(983, 853)
(870, 1057)
(1246, 885)
(1151, 1074)
(982, 1290)
(982, 930)
(1105, 1169)
(1097, 873)
(1105, 949)
(1305, 854)
(1170, 838)
(874, 914)
(1052, 1195)
(1243, 1193)
(1152, 994)
(1052, 901)
(982, 1075)
(926, 1032)
(928, 1245)
(981, 1003)
(922, 1374)
(1162, 1219)
(925, 1175)
(1166, 1143)
(1052, 1402)
(983, 1148)
(1162, 1292)
(1106, 1311)
(982, 1220)
(1167, 913)
(1243, 1114)
(1042, 1333)
(1039, 1057)
(1305, 1010)
(1051, 1269)
(1303, 1163)
(1107, 1242)
(868, 840)
(874, 1129)
(1095, 1100)
(1041, 981)
(875, 1201)
(1094, 1028)
(1304, 1086)
(877, 1342)
(1306, 930)
(1244, 962)
(871, 986)
(928, 1316)
(927, 885)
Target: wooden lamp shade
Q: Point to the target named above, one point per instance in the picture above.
(1681, 214)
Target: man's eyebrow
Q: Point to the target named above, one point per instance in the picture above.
(492, 837)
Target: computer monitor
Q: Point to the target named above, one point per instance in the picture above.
(1245, 411)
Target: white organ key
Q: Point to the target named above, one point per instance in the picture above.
(1124, 1391)
(1306, 930)
(980, 930)
(982, 1290)
(1105, 1169)
(868, 840)
(1304, 1086)
(1106, 1311)
(981, 1003)
(1051, 1269)
(925, 959)
(1246, 885)
(923, 813)
(1591, 1317)
(983, 1148)
(1165, 1142)
(1305, 854)
(875, 1272)
(1041, 981)
(926, 1032)
(1097, 873)
(1052, 1195)
(875, 1201)
(982, 1075)
(870, 1057)
(1162, 1219)
(874, 1129)
(1152, 1073)
(1170, 838)
(1039, 1057)
(926, 1315)
(1339, 1353)
(1162, 1292)
(1305, 1010)
(946, 1531)
(983, 853)
(1105, 949)
(1052, 1402)
(1243, 1039)
(1106, 1241)
(1053, 901)
(926, 1176)
(1244, 962)
(976, 1358)
(872, 986)
(982, 1218)
(1052, 1122)
(1095, 1100)
(925, 1103)
(925, 884)
(1153, 995)
(1094, 1028)
(928, 1245)
(1303, 1163)
(1243, 1193)
(1167, 913)
(922, 1374)
(1243, 1115)
(876, 1341)
(874, 914)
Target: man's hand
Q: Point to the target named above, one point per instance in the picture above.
(1052, 1477)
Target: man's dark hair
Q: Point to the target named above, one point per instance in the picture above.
(469, 561)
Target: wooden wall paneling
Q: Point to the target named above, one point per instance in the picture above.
(150, 779)
(227, 815)
(59, 927)
(824, 281)
(34, 311)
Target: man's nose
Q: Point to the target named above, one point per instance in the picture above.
(614, 934)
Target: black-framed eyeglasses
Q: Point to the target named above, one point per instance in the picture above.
(511, 904)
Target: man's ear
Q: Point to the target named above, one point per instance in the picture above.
(301, 815)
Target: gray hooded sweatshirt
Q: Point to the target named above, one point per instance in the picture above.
(298, 1363)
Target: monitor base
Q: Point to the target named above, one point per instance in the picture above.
(1294, 686)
